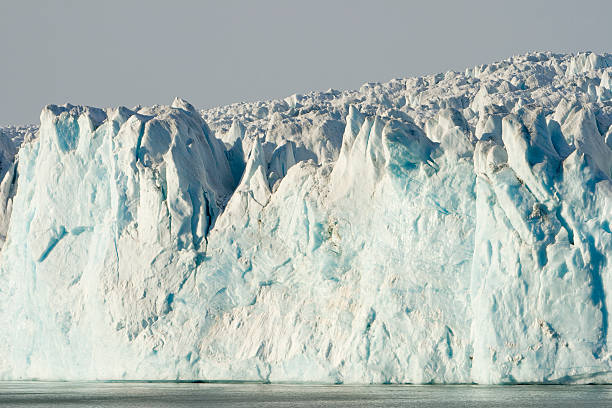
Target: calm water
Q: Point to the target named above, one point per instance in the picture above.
(21, 394)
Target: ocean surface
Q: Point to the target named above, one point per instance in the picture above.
(179, 395)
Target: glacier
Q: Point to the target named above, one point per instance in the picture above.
(450, 228)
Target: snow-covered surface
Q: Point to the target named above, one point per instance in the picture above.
(448, 228)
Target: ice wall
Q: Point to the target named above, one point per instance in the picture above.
(448, 228)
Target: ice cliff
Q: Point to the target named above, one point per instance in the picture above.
(452, 228)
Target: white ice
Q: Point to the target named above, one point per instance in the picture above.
(452, 228)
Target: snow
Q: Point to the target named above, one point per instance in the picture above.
(452, 228)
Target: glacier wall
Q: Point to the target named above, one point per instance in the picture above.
(452, 228)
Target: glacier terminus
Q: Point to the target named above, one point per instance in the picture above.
(451, 228)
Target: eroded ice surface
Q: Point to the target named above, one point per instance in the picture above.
(448, 228)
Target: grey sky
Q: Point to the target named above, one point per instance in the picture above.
(108, 53)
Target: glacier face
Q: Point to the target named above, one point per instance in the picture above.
(449, 228)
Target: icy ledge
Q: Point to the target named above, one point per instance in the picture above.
(450, 228)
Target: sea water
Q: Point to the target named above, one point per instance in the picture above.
(182, 395)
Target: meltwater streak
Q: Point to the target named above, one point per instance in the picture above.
(182, 395)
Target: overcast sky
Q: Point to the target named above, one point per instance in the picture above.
(108, 53)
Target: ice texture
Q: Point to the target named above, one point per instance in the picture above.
(452, 228)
